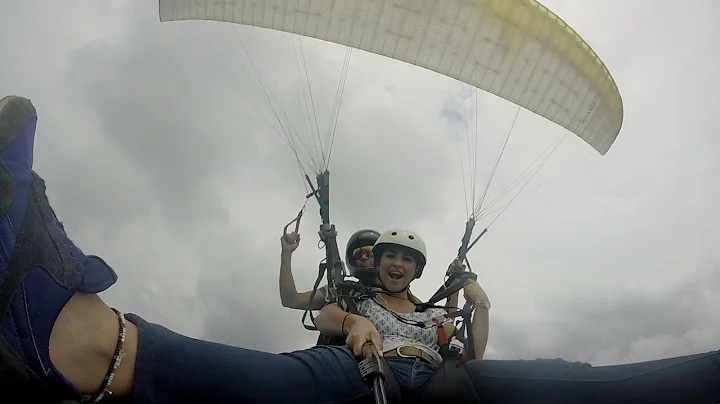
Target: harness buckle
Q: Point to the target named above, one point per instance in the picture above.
(436, 321)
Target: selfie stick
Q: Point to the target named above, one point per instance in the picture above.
(372, 369)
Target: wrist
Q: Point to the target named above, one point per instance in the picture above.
(285, 255)
(482, 304)
(348, 323)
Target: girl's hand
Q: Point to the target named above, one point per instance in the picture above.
(362, 337)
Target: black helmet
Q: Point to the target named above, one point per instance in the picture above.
(361, 238)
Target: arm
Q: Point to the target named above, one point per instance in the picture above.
(480, 327)
(481, 318)
(481, 330)
(289, 295)
(330, 320)
(334, 320)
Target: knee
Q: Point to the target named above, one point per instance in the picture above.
(563, 362)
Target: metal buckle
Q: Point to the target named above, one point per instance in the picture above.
(402, 355)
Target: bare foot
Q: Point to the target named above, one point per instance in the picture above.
(83, 342)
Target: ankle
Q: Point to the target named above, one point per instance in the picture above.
(83, 345)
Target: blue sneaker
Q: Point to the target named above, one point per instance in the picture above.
(40, 267)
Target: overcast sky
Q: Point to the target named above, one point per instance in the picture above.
(156, 159)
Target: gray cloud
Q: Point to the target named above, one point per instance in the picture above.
(608, 327)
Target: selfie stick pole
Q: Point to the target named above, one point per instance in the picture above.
(372, 370)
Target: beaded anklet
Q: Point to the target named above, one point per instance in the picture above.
(104, 389)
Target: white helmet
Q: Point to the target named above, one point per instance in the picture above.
(404, 238)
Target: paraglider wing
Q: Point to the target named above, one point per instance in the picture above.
(516, 49)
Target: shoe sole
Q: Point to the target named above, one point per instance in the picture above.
(16, 378)
(15, 112)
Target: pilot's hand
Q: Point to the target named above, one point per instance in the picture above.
(290, 242)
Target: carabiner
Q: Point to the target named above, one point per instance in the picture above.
(296, 221)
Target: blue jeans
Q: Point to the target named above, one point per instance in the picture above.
(410, 373)
(172, 368)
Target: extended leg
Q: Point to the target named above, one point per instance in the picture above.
(172, 368)
(687, 379)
